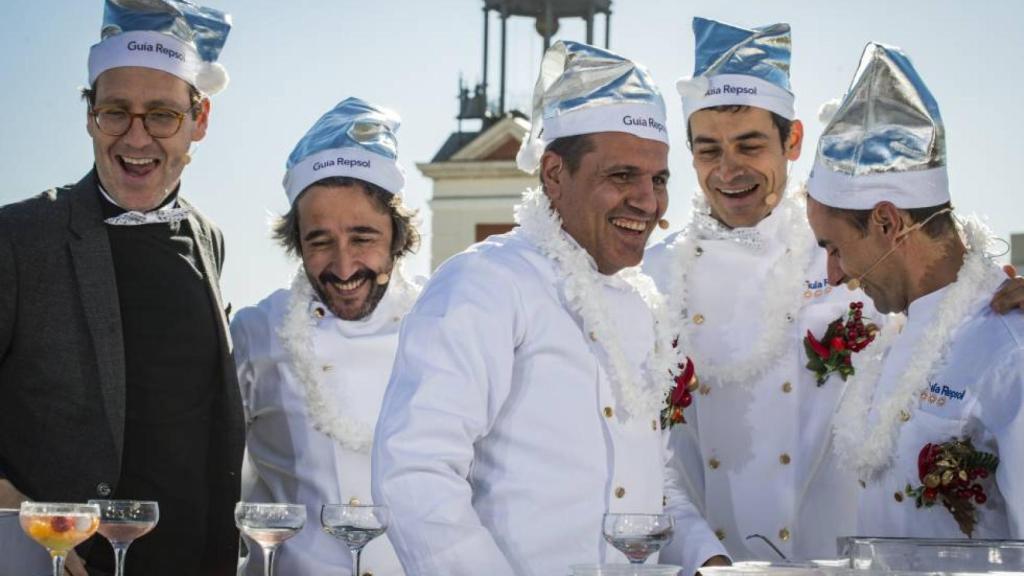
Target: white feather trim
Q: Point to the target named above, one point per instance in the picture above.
(828, 110)
(693, 87)
(212, 78)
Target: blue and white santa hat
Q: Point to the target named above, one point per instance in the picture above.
(739, 66)
(886, 141)
(174, 36)
(583, 89)
(355, 139)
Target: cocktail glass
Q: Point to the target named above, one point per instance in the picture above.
(124, 521)
(638, 535)
(355, 525)
(59, 527)
(269, 525)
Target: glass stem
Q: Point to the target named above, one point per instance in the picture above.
(58, 564)
(120, 550)
(269, 553)
(356, 557)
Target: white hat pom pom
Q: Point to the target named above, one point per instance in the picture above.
(528, 157)
(828, 110)
(693, 87)
(212, 78)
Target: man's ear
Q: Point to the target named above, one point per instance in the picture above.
(795, 142)
(888, 218)
(551, 172)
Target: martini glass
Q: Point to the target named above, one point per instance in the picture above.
(638, 535)
(269, 525)
(59, 527)
(355, 525)
(122, 522)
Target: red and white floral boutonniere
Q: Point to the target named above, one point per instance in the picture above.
(951, 473)
(680, 397)
(834, 352)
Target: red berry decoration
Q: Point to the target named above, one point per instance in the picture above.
(980, 498)
(61, 524)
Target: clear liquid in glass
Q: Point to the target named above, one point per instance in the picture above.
(353, 536)
(638, 547)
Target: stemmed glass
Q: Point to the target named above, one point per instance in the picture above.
(638, 535)
(59, 527)
(269, 525)
(124, 521)
(355, 525)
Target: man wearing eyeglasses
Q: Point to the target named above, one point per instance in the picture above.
(116, 378)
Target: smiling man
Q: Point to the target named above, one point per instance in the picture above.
(744, 284)
(934, 427)
(525, 398)
(313, 360)
(116, 378)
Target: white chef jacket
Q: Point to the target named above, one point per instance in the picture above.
(500, 444)
(976, 391)
(287, 460)
(757, 454)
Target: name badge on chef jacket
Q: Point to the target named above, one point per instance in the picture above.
(944, 399)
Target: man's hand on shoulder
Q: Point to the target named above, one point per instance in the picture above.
(1011, 294)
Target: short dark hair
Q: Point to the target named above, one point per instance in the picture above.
(571, 149)
(939, 226)
(405, 238)
(88, 93)
(783, 125)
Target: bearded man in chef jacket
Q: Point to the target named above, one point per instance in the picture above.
(313, 360)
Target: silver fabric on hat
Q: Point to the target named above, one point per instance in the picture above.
(353, 123)
(354, 139)
(888, 121)
(576, 79)
(886, 141)
(739, 66)
(206, 29)
(762, 52)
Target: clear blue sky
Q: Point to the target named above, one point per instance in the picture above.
(292, 61)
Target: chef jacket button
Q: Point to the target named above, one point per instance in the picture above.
(705, 389)
(898, 496)
(103, 489)
(714, 463)
(593, 336)
(720, 534)
(784, 459)
(904, 416)
(784, 534)
(862, 483)
(789, 317)
(698, 319)
(787, 387)
(620, 492)
(318, 312)
(699, 251)
(664, 501)
(654, 425)
(608, 412)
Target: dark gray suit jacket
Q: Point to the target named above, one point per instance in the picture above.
(62, 366)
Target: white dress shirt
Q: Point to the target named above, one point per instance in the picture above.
(288, 460)
(500, 443)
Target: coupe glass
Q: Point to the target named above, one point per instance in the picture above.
(269, 525)
(638, 535)
(59, 527)
(355, 525)
(122, 522)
